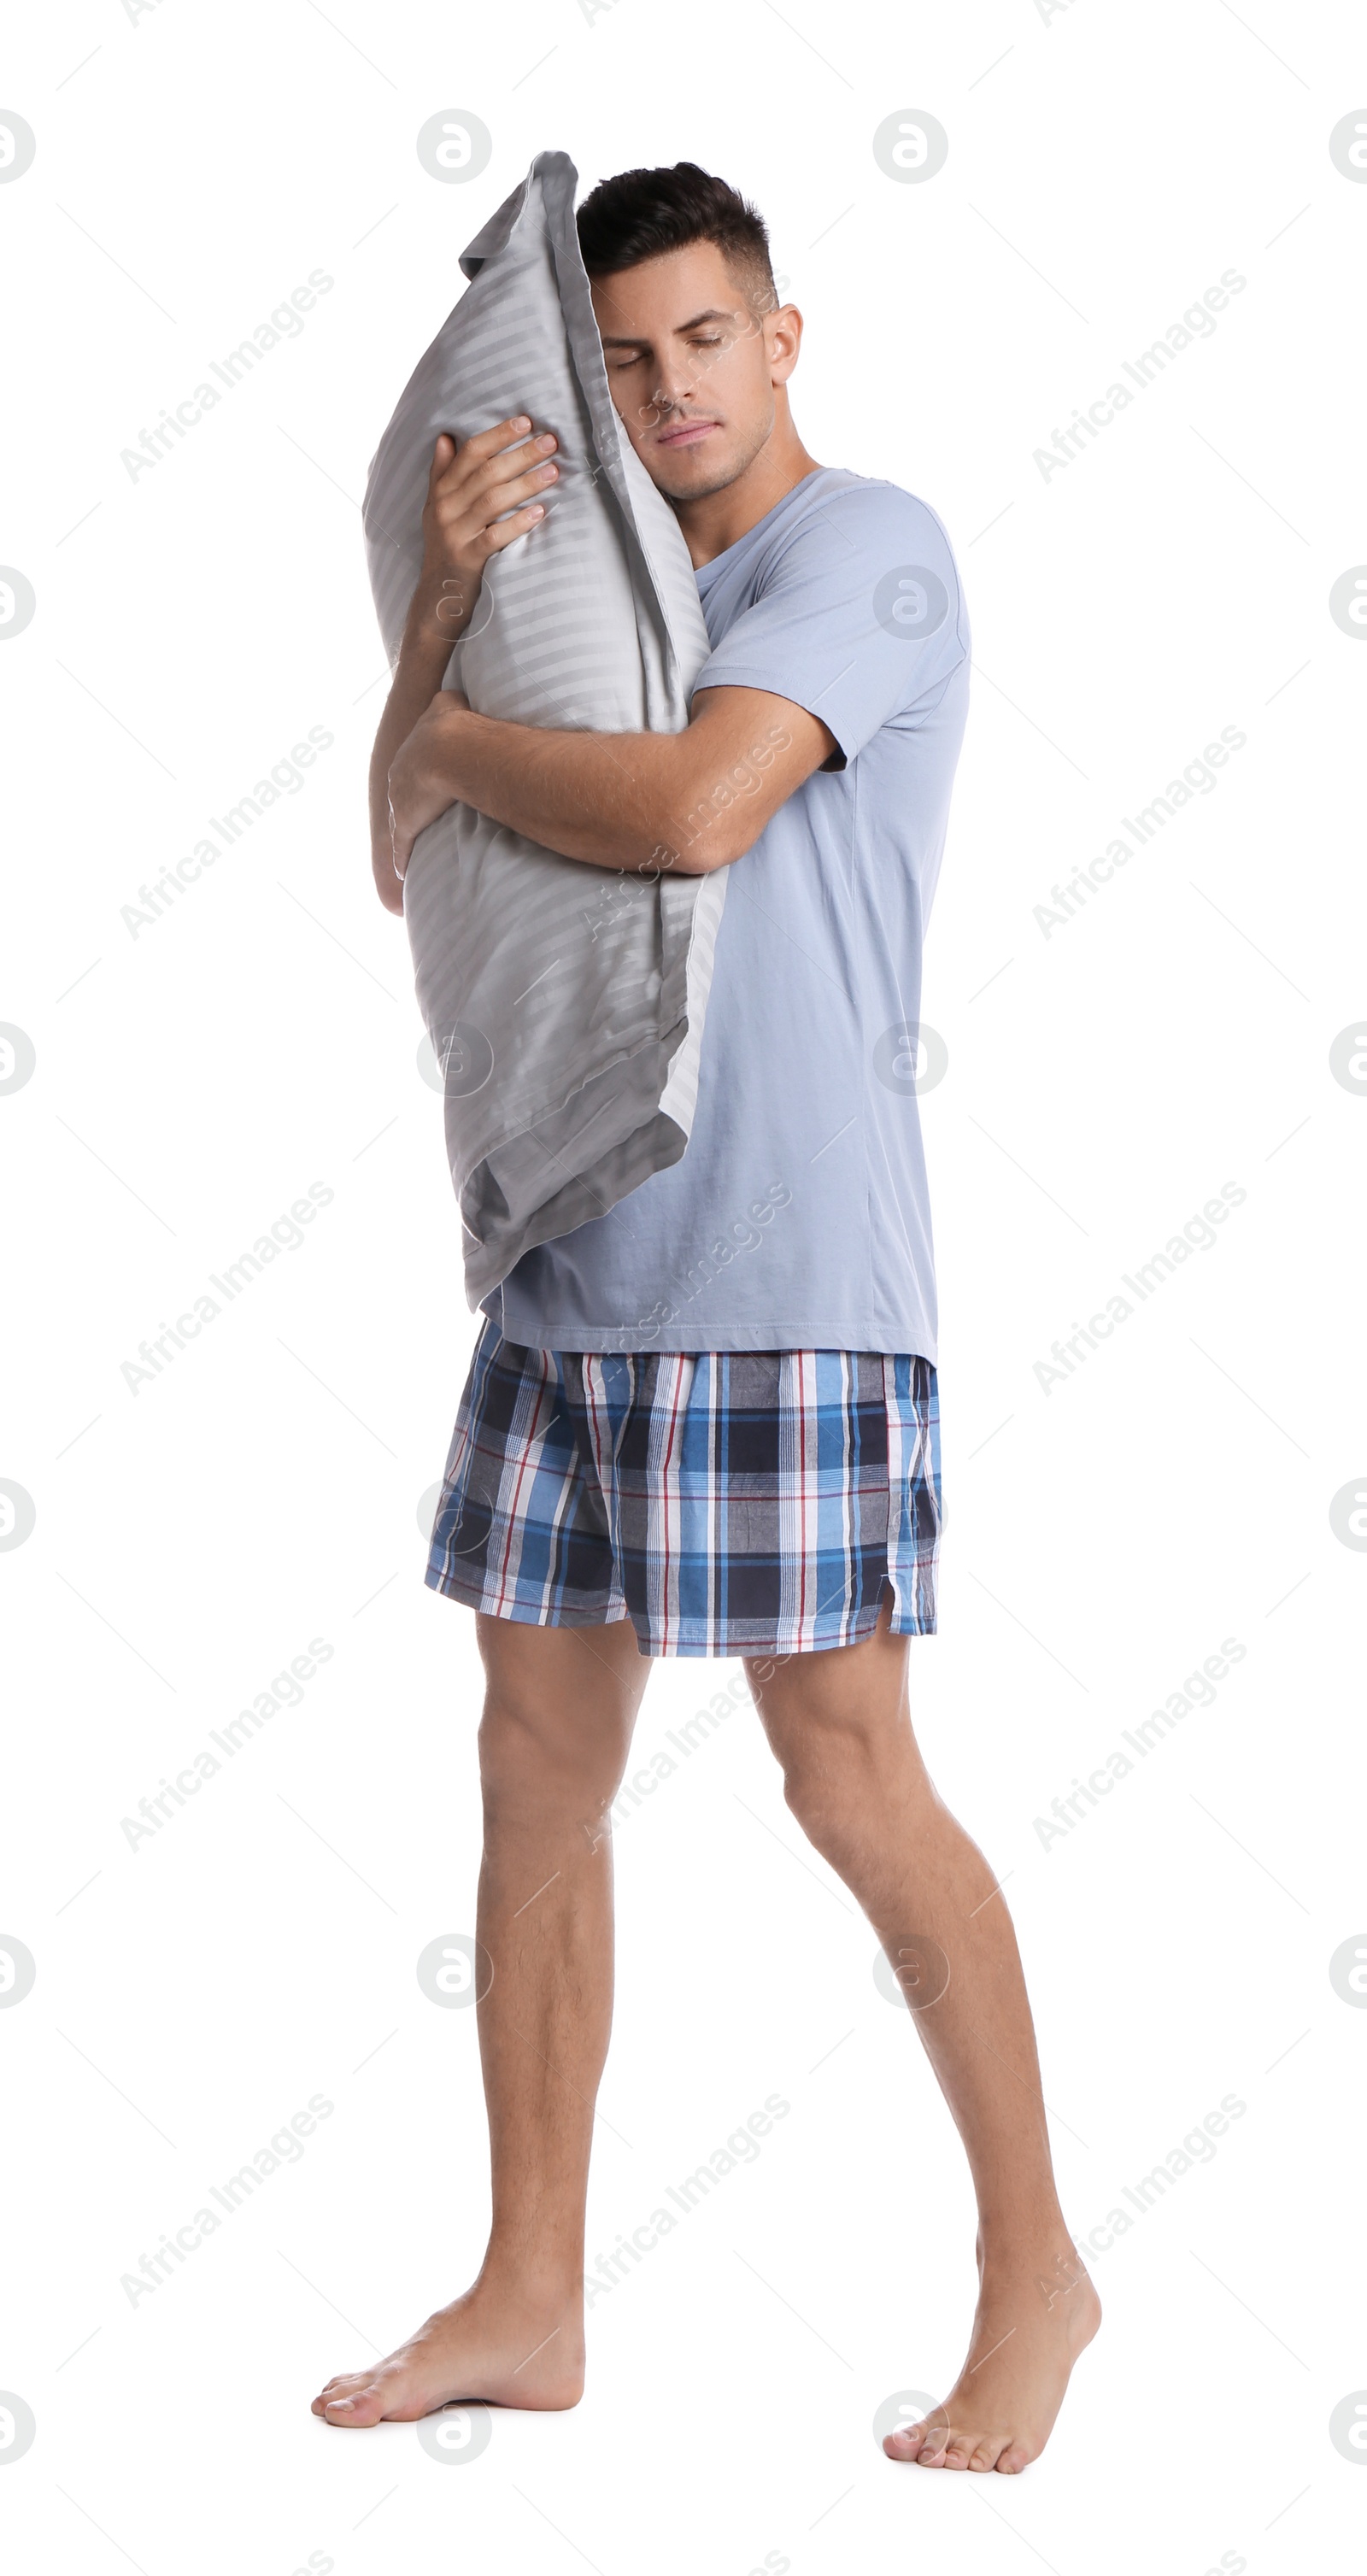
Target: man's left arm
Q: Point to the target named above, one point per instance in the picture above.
(639, 802)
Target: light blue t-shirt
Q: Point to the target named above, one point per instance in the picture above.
(798, 1217)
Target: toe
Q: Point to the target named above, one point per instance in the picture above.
(986, 2451)
(1013, 2459)
(363, 2406)
(344, 2384)
(959, 2452)
(905, 2442)
(923, 2442)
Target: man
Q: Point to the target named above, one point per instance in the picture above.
(706, 1422)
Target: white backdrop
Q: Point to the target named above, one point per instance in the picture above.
(171, 1085)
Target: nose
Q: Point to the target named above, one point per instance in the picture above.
(676, 384)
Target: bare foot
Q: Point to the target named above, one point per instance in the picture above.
(1033, 2320)
(489, 2345)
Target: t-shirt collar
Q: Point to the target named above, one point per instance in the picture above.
(707, 573)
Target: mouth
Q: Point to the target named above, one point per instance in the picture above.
(688, 433)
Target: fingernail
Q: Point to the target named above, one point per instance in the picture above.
(536, 511)
(522, 421)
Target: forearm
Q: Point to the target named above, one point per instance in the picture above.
(641, 802)
(613, 800)
(418, 675)
(480, 498)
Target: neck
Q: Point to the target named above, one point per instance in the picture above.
(717, 519)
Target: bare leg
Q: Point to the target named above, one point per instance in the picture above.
(559, 1709)
(840, 1725)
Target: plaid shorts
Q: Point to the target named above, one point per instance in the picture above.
(726, 1502)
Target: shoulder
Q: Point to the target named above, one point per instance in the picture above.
(849, 571)
(860, 515)
(847, 537)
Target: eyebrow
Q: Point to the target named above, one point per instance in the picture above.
(637, 339)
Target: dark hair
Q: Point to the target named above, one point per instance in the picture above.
(643, 213)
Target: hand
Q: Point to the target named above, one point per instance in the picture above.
(418, 792)
(463, 523)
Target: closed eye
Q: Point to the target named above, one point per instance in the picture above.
(619, 359)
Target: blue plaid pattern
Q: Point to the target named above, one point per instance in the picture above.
(726, 1502)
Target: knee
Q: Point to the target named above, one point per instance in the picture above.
(531, 1761)
(830, 1773)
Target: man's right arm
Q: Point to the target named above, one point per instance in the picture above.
(470, 490)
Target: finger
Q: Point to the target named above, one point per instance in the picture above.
(505, 531)
(474, 492)
(489, 442)
(465, 513)
(470, 453)
(470, 478)
(466, 524)
(401, 842)
(442, 455)
(530, 462)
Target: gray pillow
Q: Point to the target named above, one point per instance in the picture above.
(565, 1003)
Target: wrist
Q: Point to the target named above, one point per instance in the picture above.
(438, 615)
(427, 757)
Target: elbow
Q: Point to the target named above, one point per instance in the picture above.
(703, 842)
(729, 836)
(707, 862)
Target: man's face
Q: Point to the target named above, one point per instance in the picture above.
(692, 369)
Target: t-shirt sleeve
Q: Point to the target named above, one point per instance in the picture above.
(859, 617)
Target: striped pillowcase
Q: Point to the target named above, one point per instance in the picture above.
(565, 1005)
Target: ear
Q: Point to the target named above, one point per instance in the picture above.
(783, 342)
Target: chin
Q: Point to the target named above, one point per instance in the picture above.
(680, 481)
